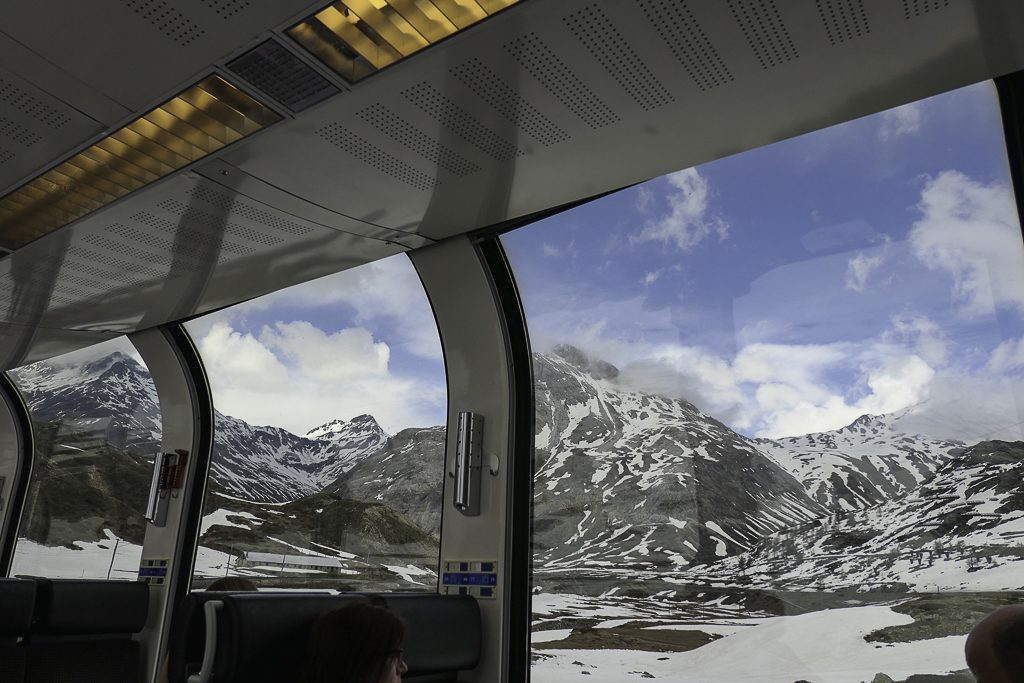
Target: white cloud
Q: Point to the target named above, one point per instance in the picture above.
(651, 277)
(688, 222)
(971, 231)
(1009, 355)
(922, 334)
(240, 359)
(344, 355)
(554, 251)
(644, 199)
(385, 293)
(296, 376)
(905, 120)
(859, 268)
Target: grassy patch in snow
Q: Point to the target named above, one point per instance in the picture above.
(942, 614)
(631, 636)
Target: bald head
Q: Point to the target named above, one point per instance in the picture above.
(995, 647)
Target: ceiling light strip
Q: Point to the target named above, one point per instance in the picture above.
(201, 120)
(356, 38)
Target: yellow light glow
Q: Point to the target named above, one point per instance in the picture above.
(199, 121)
(359, 37)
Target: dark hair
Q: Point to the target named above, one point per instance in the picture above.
(354, 643)
(232, 583)
(1008, 645)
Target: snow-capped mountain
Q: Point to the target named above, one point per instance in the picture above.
(631, 479)
(963, 528)
(114, 394)
(407, 474)
(867, 462)
(270, 464)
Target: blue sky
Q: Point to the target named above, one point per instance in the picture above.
(870, 267)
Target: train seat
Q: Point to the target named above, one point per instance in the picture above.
(17, 602)
(84, 631)
(262, 637)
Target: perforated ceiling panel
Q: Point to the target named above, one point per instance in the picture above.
(684, 35)
(35, 128)
(394, 126)
(594, 28)
(137, 51)
(457, 120)
(765, 31)
(534, 55)
(915, 8)
(498, 93)
(843, 19)
(194, 245)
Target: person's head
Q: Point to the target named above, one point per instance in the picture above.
(232, 583)
(358, 642)
(995, 647)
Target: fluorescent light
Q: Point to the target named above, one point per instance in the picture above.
(195, 123)
(359, 37)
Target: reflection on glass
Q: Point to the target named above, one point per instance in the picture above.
(96, 422)
(327, 469)
(778, 434)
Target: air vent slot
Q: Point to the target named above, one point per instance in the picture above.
(226, 8)
(32, 107)
(273, 69)
(597, 33)
(491, 89)
(164, 17)
(393, 126)
(543, 64)
(843, 19)
(915, 8)
(15, 132)
(685, 37)
(5, 155)
(459, 121)
(372, 155)
(764, 30)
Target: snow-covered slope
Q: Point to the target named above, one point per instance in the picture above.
(265, 464)
(864, 463)
(635, 480)
(964, 528)
(270, 464)
(116, 387)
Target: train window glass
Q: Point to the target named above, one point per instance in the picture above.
(96, 422)
(778, 408)
(330, 401)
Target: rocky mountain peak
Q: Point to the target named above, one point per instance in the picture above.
(595, 367)
(360, 426)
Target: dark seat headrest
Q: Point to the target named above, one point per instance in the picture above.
(17, 602)
(84, 607)
(442, 633)
(264, 636)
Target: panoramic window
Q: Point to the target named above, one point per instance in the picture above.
(778, 424)
(96, 422)
(330, 402)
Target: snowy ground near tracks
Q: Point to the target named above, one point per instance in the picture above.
(821, 647)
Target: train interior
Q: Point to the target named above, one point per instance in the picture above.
(599, 340)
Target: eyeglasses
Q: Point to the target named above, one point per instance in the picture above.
(396, 655)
